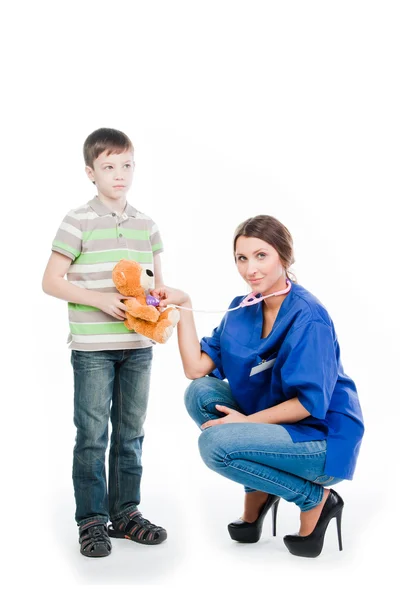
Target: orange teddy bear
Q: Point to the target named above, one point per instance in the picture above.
(131, 279)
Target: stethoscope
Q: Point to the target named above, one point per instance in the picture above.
(250, 300)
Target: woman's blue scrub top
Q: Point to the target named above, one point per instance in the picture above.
(299, 358)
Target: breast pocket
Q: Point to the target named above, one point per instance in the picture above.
(263, 365)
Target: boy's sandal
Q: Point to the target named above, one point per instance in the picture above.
(133, 526)
(94, 540)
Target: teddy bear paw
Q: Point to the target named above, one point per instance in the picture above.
(167, 333)
(174, 316)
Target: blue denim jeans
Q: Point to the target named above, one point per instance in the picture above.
(259, 456)
(109, 384)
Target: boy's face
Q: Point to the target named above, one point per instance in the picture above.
(112, 174)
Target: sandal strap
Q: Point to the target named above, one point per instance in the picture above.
(90, 524)
(94, 534)
(136, 526)
(122, 522)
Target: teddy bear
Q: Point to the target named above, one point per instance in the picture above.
(143, 314)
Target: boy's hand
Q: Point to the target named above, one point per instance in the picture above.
(167, 295)
(111, 303)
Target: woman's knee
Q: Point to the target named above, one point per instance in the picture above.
(211, 447)
(195, 393)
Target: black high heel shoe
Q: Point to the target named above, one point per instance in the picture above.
(249, 533)
(311, 545)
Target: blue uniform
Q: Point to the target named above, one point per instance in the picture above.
(299, 358)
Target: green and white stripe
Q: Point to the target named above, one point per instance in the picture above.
(95, 239)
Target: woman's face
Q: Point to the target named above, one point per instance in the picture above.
(260, 265)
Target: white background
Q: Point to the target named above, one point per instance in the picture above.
(235, 109)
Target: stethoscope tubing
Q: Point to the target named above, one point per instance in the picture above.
(250, 300)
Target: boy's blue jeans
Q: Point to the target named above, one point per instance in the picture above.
(258, 455)
(109, 384)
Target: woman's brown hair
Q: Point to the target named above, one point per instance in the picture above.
(273, 232)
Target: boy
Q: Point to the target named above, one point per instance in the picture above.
(111, 365)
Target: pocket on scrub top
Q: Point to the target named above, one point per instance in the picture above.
(263, 365)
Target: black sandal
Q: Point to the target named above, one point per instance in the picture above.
(133, 526)
(94, 540)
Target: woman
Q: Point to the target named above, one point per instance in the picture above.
(287, 421)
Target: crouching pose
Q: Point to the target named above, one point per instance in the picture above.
(277, 412)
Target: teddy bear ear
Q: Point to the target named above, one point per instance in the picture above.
(119, 279)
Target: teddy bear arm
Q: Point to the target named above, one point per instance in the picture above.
(141, 311)
(132, 305)
(148, 313)
(147, 329)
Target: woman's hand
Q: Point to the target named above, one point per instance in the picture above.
(167, 295)
(232, 416)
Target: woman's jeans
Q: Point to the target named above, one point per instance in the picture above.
(258, 455)
(109, 384)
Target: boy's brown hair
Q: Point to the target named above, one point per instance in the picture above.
(107, 140)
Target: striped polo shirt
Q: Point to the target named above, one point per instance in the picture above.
(96, 238)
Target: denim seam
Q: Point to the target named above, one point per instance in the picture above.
(230, 455)
(101, 519)
(118, 443)
(329, 478)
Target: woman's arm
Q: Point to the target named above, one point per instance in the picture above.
(289, 411)
(195, 362)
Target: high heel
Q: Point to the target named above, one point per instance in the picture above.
(311, 545)
(249, 533)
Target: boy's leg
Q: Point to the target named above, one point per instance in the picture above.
(128, 412)
(93, 385)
